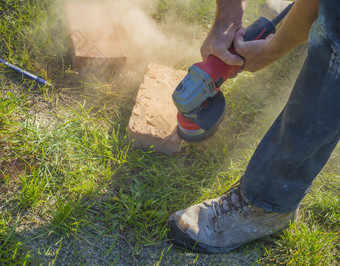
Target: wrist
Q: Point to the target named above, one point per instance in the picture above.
(275, 48)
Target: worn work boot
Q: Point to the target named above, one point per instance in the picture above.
(225, 223)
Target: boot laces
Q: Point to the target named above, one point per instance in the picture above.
(231, 200)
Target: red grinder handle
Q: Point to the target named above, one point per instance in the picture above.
(217, 69)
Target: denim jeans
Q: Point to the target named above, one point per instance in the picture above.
(302, 138)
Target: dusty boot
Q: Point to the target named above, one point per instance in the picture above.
(225, 223)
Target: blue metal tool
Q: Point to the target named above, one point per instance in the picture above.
(25, 73)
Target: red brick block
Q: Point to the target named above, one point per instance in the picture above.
(153, 119)
(95, 37)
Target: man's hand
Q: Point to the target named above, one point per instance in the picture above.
(227, 21)
(293, 32)
(257, 54)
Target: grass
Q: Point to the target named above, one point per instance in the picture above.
(314, 239)
(68, 174)
(9, 246)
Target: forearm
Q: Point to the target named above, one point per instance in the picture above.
(227, 21)
(229, 14)
(294, 29)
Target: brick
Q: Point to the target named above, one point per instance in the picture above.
(95, 37)
(153, 120)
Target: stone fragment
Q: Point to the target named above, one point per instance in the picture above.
(153, 120)
(94, 34)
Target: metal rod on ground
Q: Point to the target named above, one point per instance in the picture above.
(25, 73)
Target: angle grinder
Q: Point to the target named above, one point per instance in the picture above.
(200, 103)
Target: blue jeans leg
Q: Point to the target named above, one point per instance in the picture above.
(302, 138)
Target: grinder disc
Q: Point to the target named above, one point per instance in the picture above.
(202, 123)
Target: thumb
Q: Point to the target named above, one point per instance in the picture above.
(239, 42)
(269, 37)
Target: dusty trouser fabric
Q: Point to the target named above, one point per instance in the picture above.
(302, 138)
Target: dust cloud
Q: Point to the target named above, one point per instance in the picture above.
(145, 39)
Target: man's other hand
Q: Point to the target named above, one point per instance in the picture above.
(257, 54)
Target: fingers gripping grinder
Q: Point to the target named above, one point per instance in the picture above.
(200, 103)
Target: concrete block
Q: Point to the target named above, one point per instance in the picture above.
(153, 120)
(95, 38)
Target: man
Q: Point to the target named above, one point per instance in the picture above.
(297, 145)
